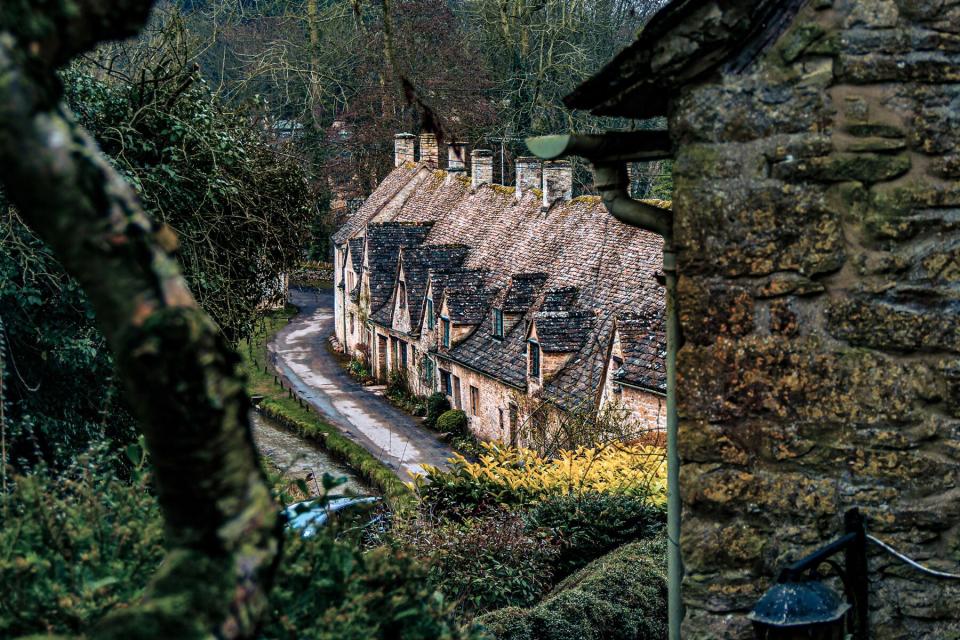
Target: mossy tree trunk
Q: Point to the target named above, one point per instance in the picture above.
(182, 379)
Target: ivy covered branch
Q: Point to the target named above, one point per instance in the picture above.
(183, 380)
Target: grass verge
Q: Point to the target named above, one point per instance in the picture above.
(288, 413)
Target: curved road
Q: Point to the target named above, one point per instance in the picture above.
(301, 354)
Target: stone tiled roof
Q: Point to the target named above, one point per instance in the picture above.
(356, 254)
(685, 40)
(643, 341)
(417, 265)
(384, 242)
(468, 297)
(522, 292)
(563, 331)
(575, 244)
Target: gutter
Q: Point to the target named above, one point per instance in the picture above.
(609, 154)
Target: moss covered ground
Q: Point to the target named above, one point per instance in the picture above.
(289, 413)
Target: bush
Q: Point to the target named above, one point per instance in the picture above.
(437, 405)
(621, 596)
(75, 546)
(327, 589)
(357, 368)
(515, 476)
(482, 563)
(453, 422)
(397, 386)
(590, 525)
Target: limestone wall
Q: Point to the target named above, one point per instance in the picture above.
(817, 211)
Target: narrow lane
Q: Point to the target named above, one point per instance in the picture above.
(301, 354)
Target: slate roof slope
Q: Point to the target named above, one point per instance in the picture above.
(384, 241)
(417, 265)
(468, 296)
(576, 243)
(522, 292)
(356, 254)
(643, 341)
(684, 41)
(503, 359)
(385, 193)
(563, 331)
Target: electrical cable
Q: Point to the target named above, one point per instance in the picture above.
(911, 562)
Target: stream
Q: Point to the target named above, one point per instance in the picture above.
(296, 458)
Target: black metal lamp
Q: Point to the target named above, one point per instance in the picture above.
(800, 606)
(806, 609)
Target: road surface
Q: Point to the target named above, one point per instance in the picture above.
(302, 356)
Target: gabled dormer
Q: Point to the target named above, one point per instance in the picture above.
(556, 334)
(401, 307)
(518, 297)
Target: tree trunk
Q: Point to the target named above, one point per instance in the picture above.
(182, 378)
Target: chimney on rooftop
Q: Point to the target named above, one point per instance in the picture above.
(429, 151)
(482, 162)
(403, 148)
(528, 175)
(557, 182)
(457, 156)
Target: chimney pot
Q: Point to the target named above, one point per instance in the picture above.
(482, 162)
(557, 182)
(457, 156)
(403, 148)
(429, 151)
(528, 175)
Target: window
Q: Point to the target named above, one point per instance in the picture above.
(428, 371)
(534, 359)
(350, 282)
(446, 384)
(402, 294)
(446, 332)
(429, 314)
(497, 323)
(474, 401)
(403, 354)
(351, 324)
(514, 420)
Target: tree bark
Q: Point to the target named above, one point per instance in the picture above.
(182, 378)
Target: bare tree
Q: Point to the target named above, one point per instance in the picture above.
(183, 380)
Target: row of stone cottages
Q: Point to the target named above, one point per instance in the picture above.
(516, 302)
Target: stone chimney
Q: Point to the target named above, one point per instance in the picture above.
(482, 162)
(457, 156)
(429, 151)
(557, 182)
(403, 148)
(528, 175)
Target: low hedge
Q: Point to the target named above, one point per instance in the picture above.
(290, 415)
(621, 596)
(453, 422)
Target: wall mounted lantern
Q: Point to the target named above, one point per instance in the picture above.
(800, 605)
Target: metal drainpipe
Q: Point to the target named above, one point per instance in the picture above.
(612, 183)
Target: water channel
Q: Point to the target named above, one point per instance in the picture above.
(295, 458)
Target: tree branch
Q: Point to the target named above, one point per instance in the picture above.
(182, 379)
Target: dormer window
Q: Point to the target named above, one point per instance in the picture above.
(498, 323)
(446, 331)
(402, 293)
(430, 321)
(534, 356)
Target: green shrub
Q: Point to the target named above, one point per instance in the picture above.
(590, 525)
(621, 596)
(437, 405)
(357, 368)
(453, 422)
(75, 545)
(397, 385)
(482, 563)
(327, 589)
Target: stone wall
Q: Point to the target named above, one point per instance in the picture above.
(817, 212)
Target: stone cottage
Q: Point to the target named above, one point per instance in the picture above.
(503, 298)
(817, 227)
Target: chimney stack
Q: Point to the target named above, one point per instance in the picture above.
(482, 162)
(457, 156)
(429, 151)
(557, 182)
(528, 175)
(403, 148)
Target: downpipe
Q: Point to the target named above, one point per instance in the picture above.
(612, 182)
